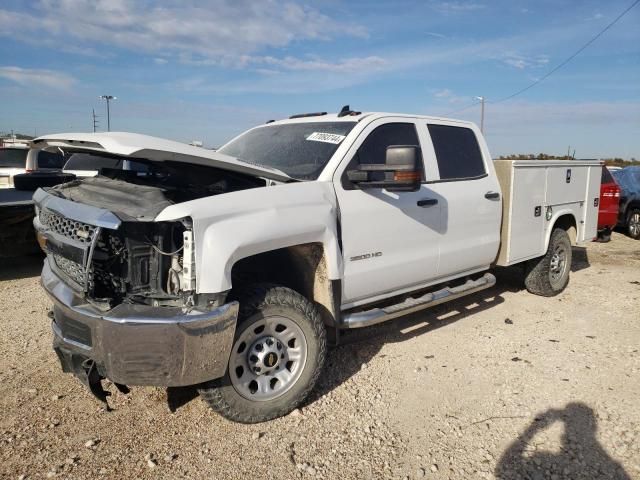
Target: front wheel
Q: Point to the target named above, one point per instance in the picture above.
(633, 223)
(549, 275)
(277, 355)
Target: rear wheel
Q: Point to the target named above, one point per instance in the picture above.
(276, 358)
(633, 223)
(549, 275)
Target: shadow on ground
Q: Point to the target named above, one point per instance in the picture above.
(580, 259)
(580, 457)
(359, 346)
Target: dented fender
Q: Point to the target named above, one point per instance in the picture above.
(233, 226)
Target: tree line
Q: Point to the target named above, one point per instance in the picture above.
(614, 161)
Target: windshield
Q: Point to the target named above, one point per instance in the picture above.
(13, 157)
(301, 150)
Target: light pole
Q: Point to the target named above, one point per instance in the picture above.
(481, 113)
(108, 98)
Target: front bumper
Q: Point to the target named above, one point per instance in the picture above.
(140, 344)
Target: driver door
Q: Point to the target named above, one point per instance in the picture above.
(390, 240)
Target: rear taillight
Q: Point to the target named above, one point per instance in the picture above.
(612, 192)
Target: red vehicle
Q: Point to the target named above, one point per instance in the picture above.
(608, 211)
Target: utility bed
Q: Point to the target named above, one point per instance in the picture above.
(538, 192)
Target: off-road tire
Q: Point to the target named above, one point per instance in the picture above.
(538, 272)
(256, 303)
(631, 220)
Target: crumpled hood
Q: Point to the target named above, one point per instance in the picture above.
(134, 145)
(126, 200)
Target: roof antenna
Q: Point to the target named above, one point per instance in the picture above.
(345, 111)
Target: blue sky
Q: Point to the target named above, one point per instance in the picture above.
(206, 70)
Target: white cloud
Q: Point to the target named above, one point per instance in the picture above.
(160, 61)
(37, 78)
(453, 7)
(522, 62)
(449, 96)
(445, 93)
(595, 16)
(347, 65)
(213, 30)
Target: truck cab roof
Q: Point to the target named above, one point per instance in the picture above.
(359, 116)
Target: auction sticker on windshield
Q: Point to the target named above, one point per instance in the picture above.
(326, 137)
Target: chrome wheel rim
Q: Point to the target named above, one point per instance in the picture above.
(267, 358)
(558, 264)
(634, 225)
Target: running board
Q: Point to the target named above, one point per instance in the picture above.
(410, 305)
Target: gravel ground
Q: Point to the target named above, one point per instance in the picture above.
(502, 384)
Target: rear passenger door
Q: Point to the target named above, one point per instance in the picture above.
(471, 208)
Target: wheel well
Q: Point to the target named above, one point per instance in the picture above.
(302, 268)
(633, 205)
(568, 223)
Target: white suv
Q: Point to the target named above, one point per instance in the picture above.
(16, 159)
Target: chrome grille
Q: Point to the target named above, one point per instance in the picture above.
(70, 268)
(78, 231)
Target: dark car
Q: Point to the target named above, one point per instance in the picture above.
(609, 205)
(629, 217)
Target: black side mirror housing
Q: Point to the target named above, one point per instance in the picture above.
(401, 170)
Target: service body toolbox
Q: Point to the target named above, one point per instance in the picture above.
(535, 194)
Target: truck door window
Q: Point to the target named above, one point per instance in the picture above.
(374, 148)
(457, 152)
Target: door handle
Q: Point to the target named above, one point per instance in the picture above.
(492, 195)
(427, 202)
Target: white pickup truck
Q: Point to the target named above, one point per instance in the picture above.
(233, 269)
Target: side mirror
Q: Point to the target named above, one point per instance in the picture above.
(400, 173)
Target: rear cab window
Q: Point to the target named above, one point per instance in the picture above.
(13, 157)
(457, 152)
(50, 160)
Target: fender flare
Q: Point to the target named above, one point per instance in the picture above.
(552, 223)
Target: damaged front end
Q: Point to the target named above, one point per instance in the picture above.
(125, 305)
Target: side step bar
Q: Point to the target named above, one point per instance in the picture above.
(410, 305)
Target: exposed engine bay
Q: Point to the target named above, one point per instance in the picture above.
(146, 188)
(142, 261)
